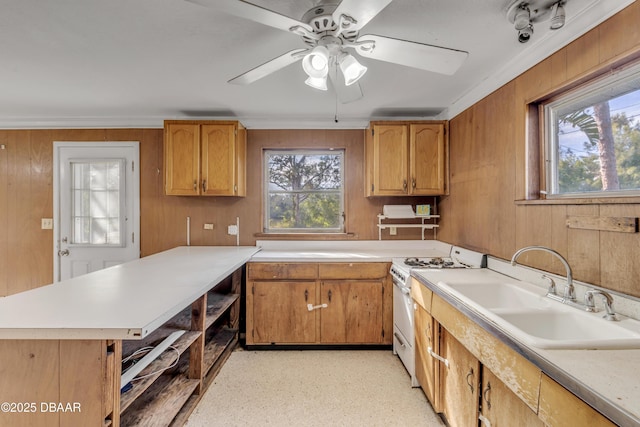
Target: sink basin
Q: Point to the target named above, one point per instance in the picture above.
(522, 310)
(551, 329)
(502, 296)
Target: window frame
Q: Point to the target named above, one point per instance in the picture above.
(266, 152)
(547, 113)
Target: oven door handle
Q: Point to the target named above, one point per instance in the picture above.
(402, 344)
(402, 288)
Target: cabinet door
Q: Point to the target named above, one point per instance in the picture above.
(459, 382)
(390, 157)
(354, 311)
(427, 159)
(182, 159)
(501, 407)
(280, 313)
(219, 168)
(427, 372)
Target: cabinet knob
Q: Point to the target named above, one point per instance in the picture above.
(204, 185)
(413, 183)
(195, 185)
(404, 185)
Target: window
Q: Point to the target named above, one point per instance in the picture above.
(96, 195)
(593, 139)
(304, 191)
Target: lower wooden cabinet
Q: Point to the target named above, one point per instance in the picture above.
(500, 407)
(460, 381)
(473, 378)
(280, 312)
(353, 313)
(427, 367)
(313, 303)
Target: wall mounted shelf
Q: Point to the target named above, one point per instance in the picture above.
(422, 225)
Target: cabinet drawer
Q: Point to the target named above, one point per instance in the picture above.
(421, 294)
(277, 270)
(518, 374)
(559, 407)
(353, 270)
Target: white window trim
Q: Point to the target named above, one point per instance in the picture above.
(617, 77)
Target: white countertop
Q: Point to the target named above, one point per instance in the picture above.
(127, 301)
(347, 250)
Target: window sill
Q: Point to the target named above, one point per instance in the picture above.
(582, 201)
(306, 236)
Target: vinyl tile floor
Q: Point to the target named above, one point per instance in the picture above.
(313, 388)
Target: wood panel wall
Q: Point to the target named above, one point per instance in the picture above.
(488, 146)
(26, 196)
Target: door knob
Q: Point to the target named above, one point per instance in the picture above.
(63, 252)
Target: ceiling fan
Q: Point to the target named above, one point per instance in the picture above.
(331, 32)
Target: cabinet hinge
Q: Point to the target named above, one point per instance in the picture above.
(253, 290)
(383, 333)
(372, 188)
(371, 131)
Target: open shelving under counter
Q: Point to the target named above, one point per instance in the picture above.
(172, 318)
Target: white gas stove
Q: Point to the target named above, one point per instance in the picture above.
(403, 308)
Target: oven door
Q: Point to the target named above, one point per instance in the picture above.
(403, 311)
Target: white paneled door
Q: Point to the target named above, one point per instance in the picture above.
(96, 206)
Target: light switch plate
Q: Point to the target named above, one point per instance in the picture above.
(232, 230)
(208, 226)
(47, 224)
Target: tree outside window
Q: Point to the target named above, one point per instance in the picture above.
(595, 139)
(304, 191)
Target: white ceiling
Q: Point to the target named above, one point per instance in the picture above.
(105, 63)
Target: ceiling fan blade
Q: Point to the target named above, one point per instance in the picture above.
(346, 94)
(362, 11)
(412, 54)
(268, 67)
(252, 12)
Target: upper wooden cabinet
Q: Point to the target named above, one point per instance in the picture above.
(405, 159)
(205, 158)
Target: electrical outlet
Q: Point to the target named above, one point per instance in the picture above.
(208, 226)
(393, 231)
(232, 230)
(46, 224)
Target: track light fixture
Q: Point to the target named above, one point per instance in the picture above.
(524, 13)
(522, 23)
(557, 16)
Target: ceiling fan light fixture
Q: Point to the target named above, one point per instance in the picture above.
(316, 62)
(352, 70)
(319, 83)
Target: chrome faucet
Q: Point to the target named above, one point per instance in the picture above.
(608, 303)
(569, 291)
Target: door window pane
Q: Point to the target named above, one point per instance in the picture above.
(96, 201)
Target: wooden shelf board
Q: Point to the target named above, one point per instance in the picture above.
(425, 226)
(217, 305)
(161, 402)
(216, 346)
(163, 361)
